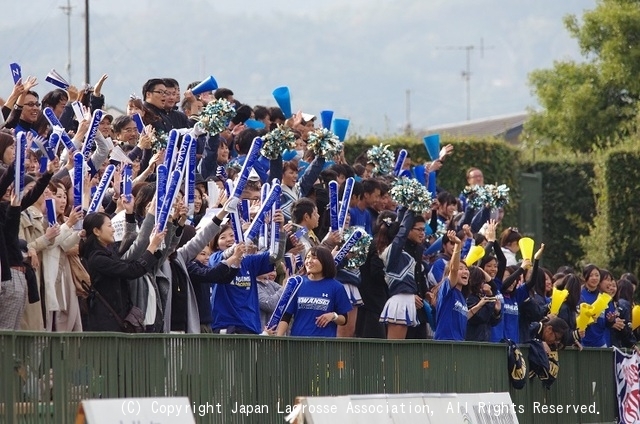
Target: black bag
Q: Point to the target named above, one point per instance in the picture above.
(32, 283)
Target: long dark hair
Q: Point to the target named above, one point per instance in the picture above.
(625, 290)
(385, 228)
(573, 284)
(476, 280)
(91, 222)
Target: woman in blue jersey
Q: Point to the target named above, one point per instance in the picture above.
(320, 304)
(452, 312)
(595, 333)
(235, 307)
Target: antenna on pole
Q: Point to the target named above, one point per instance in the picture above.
(407, 128)
(67, 11)
(466, 74)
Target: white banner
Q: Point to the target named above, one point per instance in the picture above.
(627, 369)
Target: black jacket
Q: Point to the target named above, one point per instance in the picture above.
(480, 323)
(203, 276)
(10, 253)
(373, 287)
(109, 275)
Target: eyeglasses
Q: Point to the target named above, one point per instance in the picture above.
(164, 93)
(128, 130)
(32, 104)
(421, 229)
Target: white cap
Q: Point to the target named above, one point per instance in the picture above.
(307, 117)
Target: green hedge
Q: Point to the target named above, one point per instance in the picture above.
(614, 241)
(568, 207)
(590, 205)
(499, 162)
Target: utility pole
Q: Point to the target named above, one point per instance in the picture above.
(87, 55)
(407, 128)
(67, 11)
(466, 74)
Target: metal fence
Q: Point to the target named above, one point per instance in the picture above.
(44, 376)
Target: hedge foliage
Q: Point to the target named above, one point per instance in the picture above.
(590, 204)
(614, 240)
(499, 162)
(568, 205)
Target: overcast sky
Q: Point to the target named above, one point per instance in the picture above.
(356, 57)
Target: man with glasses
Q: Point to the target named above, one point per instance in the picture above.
(30, 111)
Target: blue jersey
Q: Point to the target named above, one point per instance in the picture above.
(361, 219)
(509, 326)
(451, 318)
(236, 304)
(313, 299)
(594, 335)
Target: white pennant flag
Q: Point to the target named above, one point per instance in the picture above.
(119, 155)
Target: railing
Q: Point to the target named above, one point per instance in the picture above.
(44, 375)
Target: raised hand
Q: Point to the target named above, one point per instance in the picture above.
(29, 83)
(538, 254)
(98, 88)
(490, 232)
(451, 235)
(76, 215)
(73, 93)
(446, 151)
(155, 239)
(52, 232)
(128, 205)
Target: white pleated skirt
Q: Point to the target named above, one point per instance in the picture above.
(400, 309)
(354, 294)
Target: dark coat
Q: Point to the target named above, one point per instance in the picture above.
(109, 275)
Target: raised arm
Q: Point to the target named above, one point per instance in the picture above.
(191, 249)
(534, 274)
(490, 234)
(209, 161)
(454, 263)
(310, 175)
(511, 279)
(282, 242)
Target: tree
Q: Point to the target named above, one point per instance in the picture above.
(595, 103)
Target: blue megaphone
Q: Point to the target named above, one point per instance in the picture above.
(288, 155)
(432, 143)
(340, 127)
(208, 84)
(283, 98)
(252, 123)
(435, 247)
(431, 186)
(327, 117)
